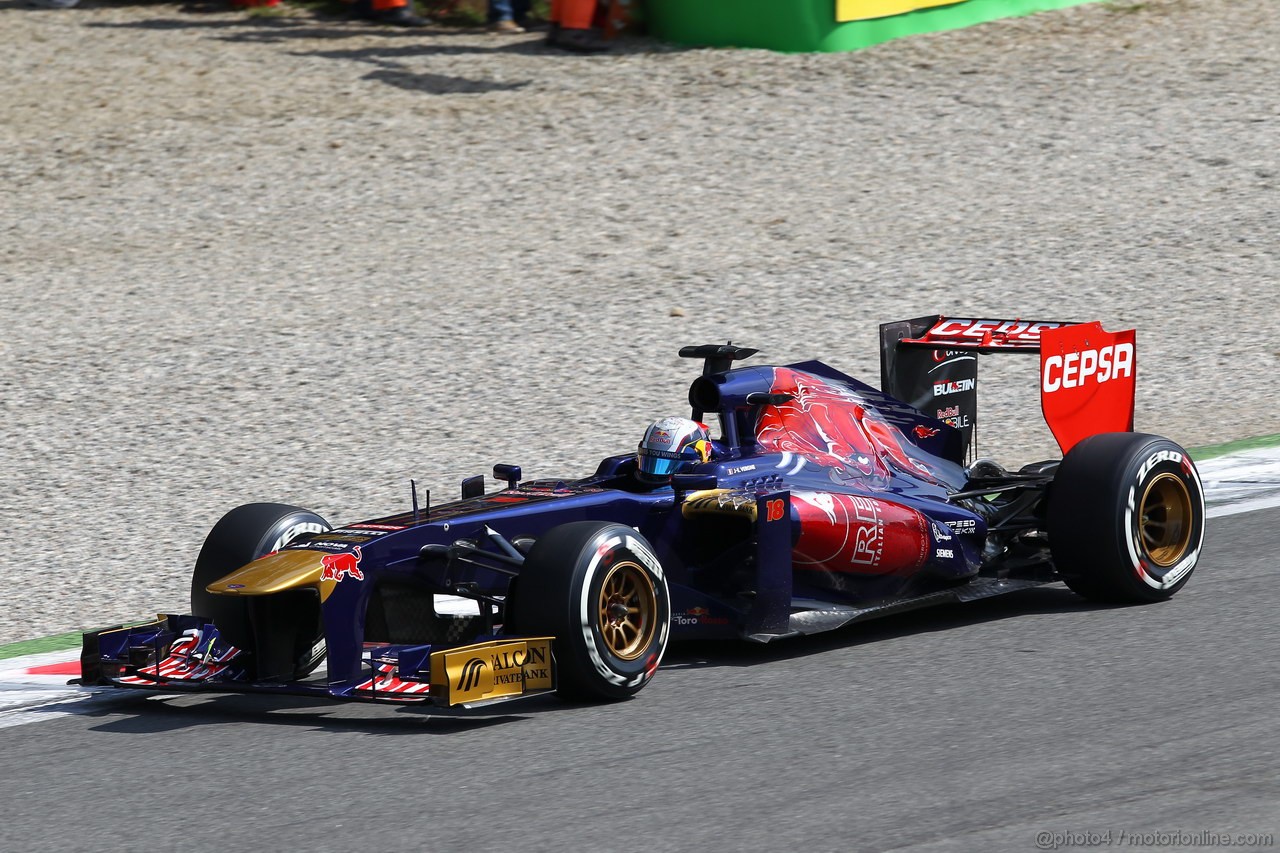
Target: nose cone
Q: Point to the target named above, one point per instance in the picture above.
(283, 570)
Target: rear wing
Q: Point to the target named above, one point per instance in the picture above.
(1087, 375)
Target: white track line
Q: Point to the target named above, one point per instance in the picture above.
(1241, 482)
(21, 704)
(29, 698)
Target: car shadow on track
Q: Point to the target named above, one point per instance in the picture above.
(162, 713)
(736, 653)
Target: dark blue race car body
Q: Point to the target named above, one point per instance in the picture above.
(826, 501)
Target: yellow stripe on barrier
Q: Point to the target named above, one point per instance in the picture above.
(865, 10)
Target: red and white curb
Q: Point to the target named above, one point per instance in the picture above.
(34, 688)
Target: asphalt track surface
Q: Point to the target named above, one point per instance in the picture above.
(972, 727)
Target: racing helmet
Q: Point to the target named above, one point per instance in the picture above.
(669, 444)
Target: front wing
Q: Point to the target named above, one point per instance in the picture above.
(177, 654)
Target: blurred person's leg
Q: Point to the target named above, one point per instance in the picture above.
(502, 17)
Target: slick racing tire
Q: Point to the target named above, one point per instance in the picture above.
(243, 535)
(599, 590)
(1126, 518)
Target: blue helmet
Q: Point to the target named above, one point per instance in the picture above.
(668, 445)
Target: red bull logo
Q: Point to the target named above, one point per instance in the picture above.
(834, 426)
(338, 566)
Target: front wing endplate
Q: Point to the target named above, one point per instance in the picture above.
(491, 671)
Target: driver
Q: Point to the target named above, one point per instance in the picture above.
(669, 445)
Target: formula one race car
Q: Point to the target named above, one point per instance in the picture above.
(822, 501)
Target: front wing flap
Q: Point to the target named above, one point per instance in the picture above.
(177, 654)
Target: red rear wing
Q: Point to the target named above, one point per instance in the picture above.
(1088, 379)
(982, 335)
(1087, 375)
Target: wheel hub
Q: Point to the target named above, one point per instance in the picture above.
(1166, 520)
(627, 609)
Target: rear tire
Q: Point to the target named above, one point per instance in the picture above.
(599, 590)
(243, 535)
(1126, 518)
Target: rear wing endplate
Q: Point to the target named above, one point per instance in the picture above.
(1086, 374)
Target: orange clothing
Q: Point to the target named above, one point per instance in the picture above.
(371, 8)
(575, 14)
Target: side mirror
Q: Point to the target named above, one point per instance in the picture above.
(510, 473)
(473, 487)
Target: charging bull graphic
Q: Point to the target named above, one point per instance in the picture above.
(339, 566)
(820, 423)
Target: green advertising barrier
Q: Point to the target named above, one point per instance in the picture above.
(817, 25)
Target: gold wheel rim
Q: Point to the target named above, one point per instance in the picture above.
(1166, 520)
(627, 609)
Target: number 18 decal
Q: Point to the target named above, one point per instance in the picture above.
(773, 510)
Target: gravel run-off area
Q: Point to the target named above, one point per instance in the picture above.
(304, 259)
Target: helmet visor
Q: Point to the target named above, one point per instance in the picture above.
(658, 468)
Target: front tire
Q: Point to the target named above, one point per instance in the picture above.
(599, 590)
(283, 630)
(1126, 518)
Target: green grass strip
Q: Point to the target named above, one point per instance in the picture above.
(1202, 453)
(56, 643)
